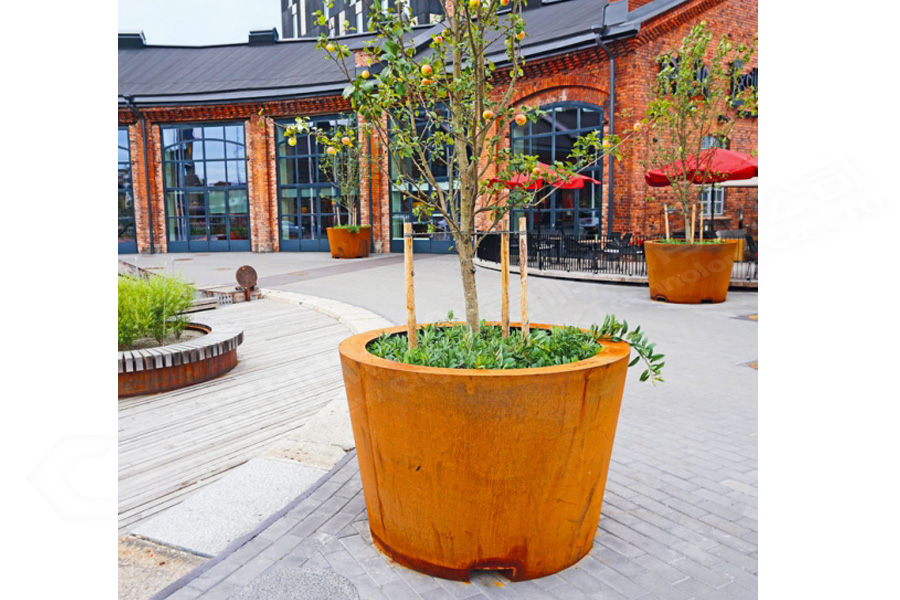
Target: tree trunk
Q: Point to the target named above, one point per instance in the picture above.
(467, 270)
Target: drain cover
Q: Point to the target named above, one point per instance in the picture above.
(299, 584)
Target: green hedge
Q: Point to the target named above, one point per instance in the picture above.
(151, 307)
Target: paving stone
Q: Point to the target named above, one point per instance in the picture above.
(234, 505)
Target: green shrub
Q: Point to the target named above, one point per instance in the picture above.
(134, 310)
(169, 296)
(152, 307)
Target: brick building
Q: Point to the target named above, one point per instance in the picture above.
(198, 173)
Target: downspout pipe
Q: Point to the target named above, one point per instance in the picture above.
(129, 102)
(599, 31)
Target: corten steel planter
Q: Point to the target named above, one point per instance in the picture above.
(689, 273)
(343, 243)
(179, 365)
(467, 469)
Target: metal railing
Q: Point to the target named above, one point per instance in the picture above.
(618, 255)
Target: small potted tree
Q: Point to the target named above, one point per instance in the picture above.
(341, 165)
(695, 103)
(480, 447)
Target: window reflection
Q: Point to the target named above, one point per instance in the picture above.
(552, 137)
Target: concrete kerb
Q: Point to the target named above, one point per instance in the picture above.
(356, 319)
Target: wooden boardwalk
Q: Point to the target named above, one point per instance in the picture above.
(173, 444)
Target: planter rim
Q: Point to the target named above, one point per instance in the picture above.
(662, 242)
(220, 337)
(355, 348)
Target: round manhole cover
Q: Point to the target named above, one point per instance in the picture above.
(246, 277)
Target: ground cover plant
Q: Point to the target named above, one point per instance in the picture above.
(452, 346)
(151, 307)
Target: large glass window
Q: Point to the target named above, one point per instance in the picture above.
(306, 198)
(127, 233)
(430, 228)
(205, 176)
(551, 138)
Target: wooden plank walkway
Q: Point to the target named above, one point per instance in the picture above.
(173, 444)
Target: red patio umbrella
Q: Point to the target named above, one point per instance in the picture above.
(528, 181)
(724, 165)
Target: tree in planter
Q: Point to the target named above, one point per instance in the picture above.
(443, 113)
(340, 164)
(695, 103)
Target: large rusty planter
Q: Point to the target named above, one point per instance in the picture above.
(689, 274)
(343, 243)
(468, 469)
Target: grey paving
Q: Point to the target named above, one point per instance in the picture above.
(223, 511)
(679, 518)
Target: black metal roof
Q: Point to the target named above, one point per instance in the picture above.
(160, 75)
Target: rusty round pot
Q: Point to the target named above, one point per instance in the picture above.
(689, 273)
(343, 243)
(466, 469)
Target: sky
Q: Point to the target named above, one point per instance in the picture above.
(198, 22)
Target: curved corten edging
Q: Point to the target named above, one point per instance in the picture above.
(689, 273)
(154, 370)
(467, 469)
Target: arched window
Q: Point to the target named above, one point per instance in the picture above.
(551, 138)
(306, 205)
(205, 174)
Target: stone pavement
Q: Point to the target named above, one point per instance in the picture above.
(679, 515)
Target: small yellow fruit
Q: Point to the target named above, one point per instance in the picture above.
(638, 126)
(520, 36)
(364, 74)
(292, 141)
(521, 119)
(331, 150)
(438, 39)
(474, 4)
(346, 141)
(606, 143)
(330, 47)
(488, 115)
(504, 2)
(427, 70)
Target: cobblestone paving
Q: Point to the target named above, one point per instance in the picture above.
(678, 521)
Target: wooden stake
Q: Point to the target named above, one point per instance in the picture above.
(701, 223)
(504, 282)
(410, 294)
(693, 215)
(523, 271)
(666, 211)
